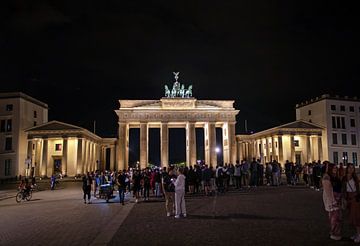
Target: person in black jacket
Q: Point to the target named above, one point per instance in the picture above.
(121, 183)
(87, 187)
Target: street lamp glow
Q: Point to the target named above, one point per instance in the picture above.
(217, 149)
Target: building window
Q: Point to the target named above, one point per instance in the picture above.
(338, 122)
(354, 157)
(35, 123)
(58, 147)
(8, 125)
(345, 158)
(343, 139)
(353, 139)
(342, 108)
(333, 107)
(334, 138)
(351, 109)
(35, 114)
(2, 125)
(9, 107)
(309, 112)
(333, 122)
(8, 143)
(296, 143)
(8, 167)
(352, 122)
(336, 157)
(342, 122)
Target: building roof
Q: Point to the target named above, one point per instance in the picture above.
(57, 128)
(6, 95)
(329, 97)
(300, 124)
(298, 127)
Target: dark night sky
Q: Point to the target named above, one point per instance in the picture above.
(81, 56)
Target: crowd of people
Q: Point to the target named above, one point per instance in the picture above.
(341, 195)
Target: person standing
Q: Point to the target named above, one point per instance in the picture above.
(87, 187)
(179, 183)
(332, 198)
(121, 185)
(168, 188)
(352, 194)
(237, 175)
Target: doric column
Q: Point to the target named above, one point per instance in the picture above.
(281, 151)
(190, 144)
(292, 148)
(239, 152)
(79, 160)
(112, 157)
(164, 144)
(64, 156)
(30, 157)
(267, 149)
(225, 137)
(103, 157)
(273, 148)
(320, 150)
(122, 146)
(232, 142)
(144, 136)
(44, 161)
(212, 142)
(255, 149)
(308, 148)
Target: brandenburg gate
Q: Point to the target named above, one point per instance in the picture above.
(178, 109)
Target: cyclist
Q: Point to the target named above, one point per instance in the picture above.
(25, 186)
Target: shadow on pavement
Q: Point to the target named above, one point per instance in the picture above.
(236, 216)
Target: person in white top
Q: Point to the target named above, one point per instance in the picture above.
(179, 183)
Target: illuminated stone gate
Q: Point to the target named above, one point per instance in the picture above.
(177, 110)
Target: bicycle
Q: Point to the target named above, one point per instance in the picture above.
(23, 195)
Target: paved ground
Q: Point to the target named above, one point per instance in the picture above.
(261, 216)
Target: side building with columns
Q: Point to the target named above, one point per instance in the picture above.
(298, 141)
(56, 147)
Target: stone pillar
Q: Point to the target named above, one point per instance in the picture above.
(320, 150)
(30, 157)
(79, 160)
(212, 144)
(292, 148)
(225, 136)
(267, 150)
(112, 157)
(64, 157)
(273, 148)
(308, 149)
(122, 146)
(144, 136)
(239, 151)
(164, 144)
(44, 162)
(207, 144)
(190, 144)
(232, 142)
(281, 151)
